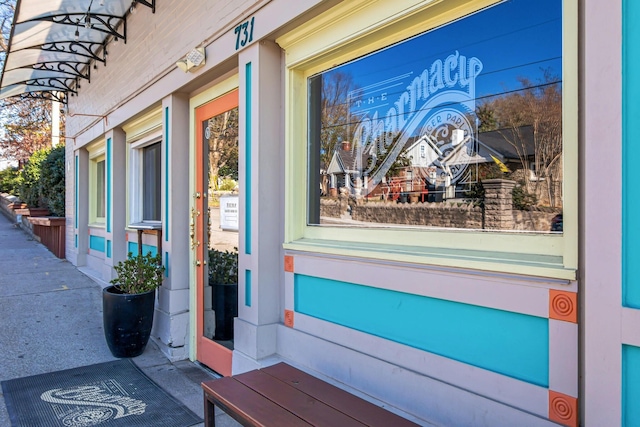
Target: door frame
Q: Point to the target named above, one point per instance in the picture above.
(212, 354)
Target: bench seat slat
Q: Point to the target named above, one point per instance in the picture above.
(248, 407)
(297, 402)
(365, 412)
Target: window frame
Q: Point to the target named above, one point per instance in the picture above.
(97, 154)
(136, 172)
(361, 27)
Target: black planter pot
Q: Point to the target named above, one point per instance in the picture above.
(225, 305)
(127, 320)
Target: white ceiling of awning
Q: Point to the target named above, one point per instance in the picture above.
(54, 42)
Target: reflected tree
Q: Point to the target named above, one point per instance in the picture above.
(539, 106)
(222, 137)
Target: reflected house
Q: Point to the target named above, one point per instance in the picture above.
(344, 170)
(428, 171)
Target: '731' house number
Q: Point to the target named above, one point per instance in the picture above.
(244, 33)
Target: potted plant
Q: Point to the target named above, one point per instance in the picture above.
(128, 304)
(223, 278)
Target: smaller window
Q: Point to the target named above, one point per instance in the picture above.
(97, 186)
(100, 189)
(151, 182)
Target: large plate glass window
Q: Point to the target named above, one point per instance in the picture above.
(459, 127)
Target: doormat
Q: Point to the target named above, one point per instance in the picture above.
(111, 394)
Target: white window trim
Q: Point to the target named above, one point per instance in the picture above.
(357, 28)
(135, 172)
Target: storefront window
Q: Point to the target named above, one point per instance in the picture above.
(459, 127)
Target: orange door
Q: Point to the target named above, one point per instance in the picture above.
(216, 133)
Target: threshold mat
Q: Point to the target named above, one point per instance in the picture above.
(111, 394)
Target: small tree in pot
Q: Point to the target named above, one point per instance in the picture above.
(223, 278)
(128, 304)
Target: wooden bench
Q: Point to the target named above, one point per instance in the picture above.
(282, 395)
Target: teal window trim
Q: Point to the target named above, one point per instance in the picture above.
(166, 264)
(248, 154)
(247, 288)
(630, 386)
(109, 157)
(76, 194)
(166, 175)
(630, 151)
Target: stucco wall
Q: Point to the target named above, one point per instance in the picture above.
(447, 215)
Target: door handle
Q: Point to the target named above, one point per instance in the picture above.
(192, 228)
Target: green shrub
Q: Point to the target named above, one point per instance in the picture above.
(29, 187)
(51, 186)
(223, 267)
(10, 181)
(522, 199)
(139, 274)
(228, 184)
(42, 180)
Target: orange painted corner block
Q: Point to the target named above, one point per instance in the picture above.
(288, 263)
(563, 305)
(563, 409)
(288, 318)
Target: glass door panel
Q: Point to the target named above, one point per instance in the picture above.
(216, 219)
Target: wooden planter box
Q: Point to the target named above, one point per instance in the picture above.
(31, 212)
(51, 232)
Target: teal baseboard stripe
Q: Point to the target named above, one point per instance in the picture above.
(247, 288)
(508, 343)
(133, 248)
(248, 153)
(96, 243)
(630, 386)
(108, 248)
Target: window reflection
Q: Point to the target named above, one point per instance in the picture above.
(459, 127)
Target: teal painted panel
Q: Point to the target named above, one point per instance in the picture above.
(508, 343)
(108, 248)
(247, 288)
(166, 264)
(133, 248)
(247, 178)
(630, 152)
(76, 240)
(76, 196)
(630, 386)
(109, 167)
(96, 243)
(166, 174)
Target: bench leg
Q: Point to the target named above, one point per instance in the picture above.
(209, 413)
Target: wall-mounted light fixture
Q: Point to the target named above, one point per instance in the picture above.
(193, 60)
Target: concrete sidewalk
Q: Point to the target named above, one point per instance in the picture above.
(51, 319)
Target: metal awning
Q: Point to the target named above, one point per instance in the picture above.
(53, 44)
